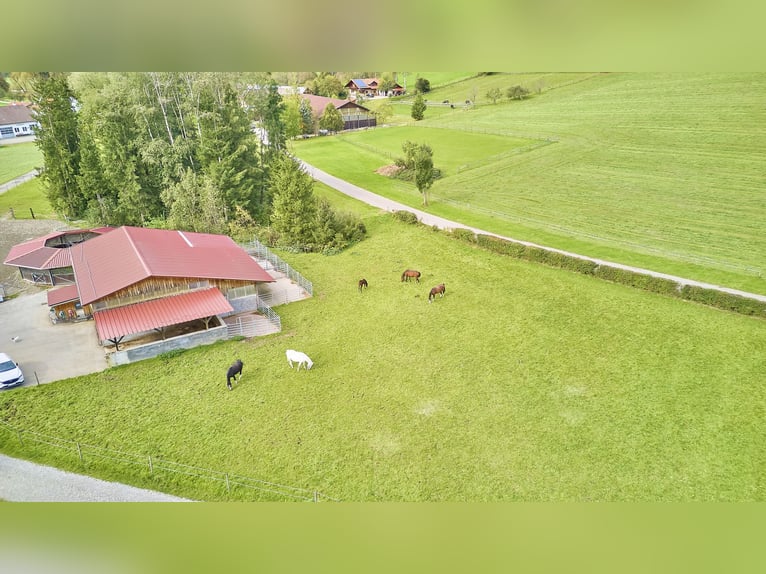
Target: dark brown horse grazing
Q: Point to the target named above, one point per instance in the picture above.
(362, 283)
(409, 274)
(438, 290)
(234, 372)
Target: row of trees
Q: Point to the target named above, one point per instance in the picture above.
(162, 149)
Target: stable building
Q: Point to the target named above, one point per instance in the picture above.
(354, 116)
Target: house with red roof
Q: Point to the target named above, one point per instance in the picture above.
(370, 87)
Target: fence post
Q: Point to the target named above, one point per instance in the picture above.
(316, 496)
(20, 439)
(79, 452)
(228, 487)
(151, 466)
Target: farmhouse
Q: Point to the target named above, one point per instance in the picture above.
(370, 87)
(47, 260)
(16, 120)
(354, 115)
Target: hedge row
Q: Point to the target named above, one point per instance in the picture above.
(710, 297)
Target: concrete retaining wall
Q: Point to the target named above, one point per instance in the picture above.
(181, 342)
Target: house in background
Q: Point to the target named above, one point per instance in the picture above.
(16, 120)
(370, 87)
(354, 115)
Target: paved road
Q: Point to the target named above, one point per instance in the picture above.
(18, 181)
(23, 481)
(430, 219)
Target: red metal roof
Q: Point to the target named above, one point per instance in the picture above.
(127, 255)
(34, 254)
(62, 295)
(319, 103)
(140, 317)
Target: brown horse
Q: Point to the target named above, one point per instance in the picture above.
(362, 283)
(438, 290)
(409, 274)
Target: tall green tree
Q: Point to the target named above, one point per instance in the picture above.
(307, 116)
(418, 108)
(424, 170)
(58, 139)
(331, 119)
(291, 117)
(294, 207)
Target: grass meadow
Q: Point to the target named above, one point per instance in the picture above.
(18, 159)
(663, 171)
(524, 383)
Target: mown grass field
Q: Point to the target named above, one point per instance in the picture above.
(524, 383)
(22, 198)
(18, 159)
(663, 171)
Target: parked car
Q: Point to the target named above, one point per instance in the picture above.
(10, 374)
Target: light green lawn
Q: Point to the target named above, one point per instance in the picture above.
(22, 198)
(656, 170)
(18, 159)
(524, 383)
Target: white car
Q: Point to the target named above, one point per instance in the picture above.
(10, 374)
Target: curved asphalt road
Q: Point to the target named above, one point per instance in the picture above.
(429, 219)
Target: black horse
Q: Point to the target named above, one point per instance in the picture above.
(362, 283)
(234, 372)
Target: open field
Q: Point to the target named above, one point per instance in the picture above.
(22, 198)
(18, 159)
(662, 171)
(522, 383)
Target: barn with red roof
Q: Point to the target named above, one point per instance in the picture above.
(134, 281)
(137, 279)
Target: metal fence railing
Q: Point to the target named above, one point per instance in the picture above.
(258, 250)
(156, 465)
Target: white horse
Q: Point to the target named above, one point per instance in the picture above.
(300, 358)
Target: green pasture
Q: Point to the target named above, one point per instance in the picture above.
(18, 159)
(663, 171)
(524, 383)
(22, 198)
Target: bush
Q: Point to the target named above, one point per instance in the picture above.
(405, 216)
(463, 234)
(725, 301)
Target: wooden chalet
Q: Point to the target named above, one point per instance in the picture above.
(354, 115)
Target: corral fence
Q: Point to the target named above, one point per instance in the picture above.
(157, 465)
(266, 323)
(258, 250)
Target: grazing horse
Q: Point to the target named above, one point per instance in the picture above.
(438, 290)
(300, 358)
(234, 372)
(409, 274)
(362, 283)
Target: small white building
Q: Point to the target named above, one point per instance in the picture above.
(16, 120)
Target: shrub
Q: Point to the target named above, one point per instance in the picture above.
(463, 234)
(405, 216)
(725, 301)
